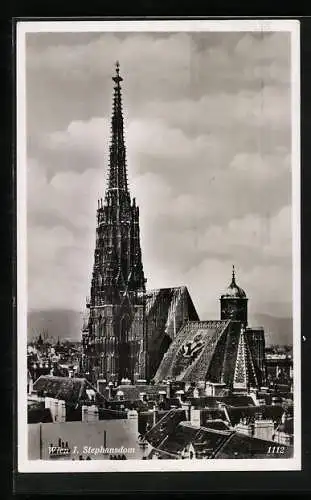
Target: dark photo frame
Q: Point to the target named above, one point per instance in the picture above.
(186, 480)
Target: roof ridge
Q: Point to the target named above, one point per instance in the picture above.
(221, 446)
(59, 377)
(216, 431)
(150, 290)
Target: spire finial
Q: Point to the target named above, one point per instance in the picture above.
(117, 78)
(233, 274)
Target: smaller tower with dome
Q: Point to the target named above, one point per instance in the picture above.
(233, 302)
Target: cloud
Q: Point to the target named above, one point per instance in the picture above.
(208, 129)
(55, 275)
(268, 236)
(68, 196)
(162, 67)
(261, 283)
(261, 167)
(173, 60)
(154, 146)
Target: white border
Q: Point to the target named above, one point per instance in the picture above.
(25, 465)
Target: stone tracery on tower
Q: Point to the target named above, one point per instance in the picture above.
(116, 319)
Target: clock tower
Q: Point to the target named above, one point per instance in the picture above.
(233, 303)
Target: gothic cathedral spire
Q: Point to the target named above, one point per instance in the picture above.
(118, 263)
(117, 165)
(118, 281)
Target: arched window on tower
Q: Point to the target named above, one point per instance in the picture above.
(125, 325)
(125, 367)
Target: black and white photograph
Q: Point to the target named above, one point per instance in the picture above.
(158, 245)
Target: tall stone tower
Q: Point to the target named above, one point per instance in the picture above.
(113, 336)
(233, 303)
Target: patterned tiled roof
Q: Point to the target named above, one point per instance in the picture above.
(217, 351)
(189, 356)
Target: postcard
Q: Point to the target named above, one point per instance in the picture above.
(158, 245)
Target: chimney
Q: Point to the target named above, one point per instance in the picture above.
(162, 395)
(180, 395)
(195, 417)
(155, 413)
(196, 393)
(132, 415)
(90, 413)
(168, 389)
(100, 384)
(141, 381)
(264, 429)
(143, 396)
(30, 386)
(61, 411)
(275, 401)
(84, 413)
(126, 381)
(110, 390)
(189, 411)
(120, 396)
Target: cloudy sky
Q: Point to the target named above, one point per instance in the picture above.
(208, 134)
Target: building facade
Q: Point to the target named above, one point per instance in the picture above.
(224, 351)
(130, 333)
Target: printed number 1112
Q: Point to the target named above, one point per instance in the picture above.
(278, 450)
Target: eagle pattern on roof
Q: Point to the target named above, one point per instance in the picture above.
(189, 356)
(213, 351)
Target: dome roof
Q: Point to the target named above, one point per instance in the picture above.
(233, 291)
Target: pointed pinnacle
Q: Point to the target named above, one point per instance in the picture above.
(233, 274)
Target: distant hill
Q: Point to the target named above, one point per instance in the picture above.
(67, 324)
